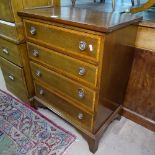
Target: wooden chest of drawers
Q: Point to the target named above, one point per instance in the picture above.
(80, 68)
(13, 52)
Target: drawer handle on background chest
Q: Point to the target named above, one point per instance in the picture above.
(33, 30)
(82, 71)
(80, 116)
(82, 45)
(81, 93)
(35, 53)
(11, 77)
(38, 73)
(5, 51)
(41, 92)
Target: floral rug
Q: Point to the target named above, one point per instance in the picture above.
(24, 131)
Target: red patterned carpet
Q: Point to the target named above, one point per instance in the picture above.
(24, 131)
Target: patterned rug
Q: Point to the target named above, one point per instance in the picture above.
(24, 131)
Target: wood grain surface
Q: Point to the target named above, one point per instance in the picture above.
(140, 94)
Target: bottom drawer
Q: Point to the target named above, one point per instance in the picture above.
(14, 79)
(69, 112)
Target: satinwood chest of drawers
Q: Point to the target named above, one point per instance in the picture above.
(13, 51)
(80, 61)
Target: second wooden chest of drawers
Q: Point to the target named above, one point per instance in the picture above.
(13, 48)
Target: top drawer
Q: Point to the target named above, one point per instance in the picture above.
(84, 45)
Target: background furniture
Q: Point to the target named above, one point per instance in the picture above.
(13, 52)
(113, 2)
(142, 7)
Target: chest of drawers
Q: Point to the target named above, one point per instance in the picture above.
(80, 67)
(13, 52)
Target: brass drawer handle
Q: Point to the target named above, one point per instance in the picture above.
(80, 116)
(38, 73)
(41, 92)
(5, 51)
(82, 45)
(81, 93)
(82, 71)
(35, 53)
(33, 30)
(11, 77)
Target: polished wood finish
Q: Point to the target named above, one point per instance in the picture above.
(70, 88)
(27, 72)
(12, 45)
(14, 78)
(91, 20)
(145, 38)
(64, 40)
(114, 75)
(107, 52)
(12, 32)
(11, 52)
(16, 56)
(139, 101)
(60, 106)
(140, 93)
(61, 64)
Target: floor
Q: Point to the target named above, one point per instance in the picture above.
(122, 137)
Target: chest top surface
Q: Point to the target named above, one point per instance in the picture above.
(83, 18)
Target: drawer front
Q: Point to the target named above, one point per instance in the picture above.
(14, 79)
(65, 40)
(6, 11)
(64, 86)
(11, 31)
(64, 64)
(63, 108)
(10, 51)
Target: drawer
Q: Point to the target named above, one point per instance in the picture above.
(14, 79)
(65, 64)
(11, 31)
(64, 86)
(71, 113)
(10, 51)
(65, 40)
